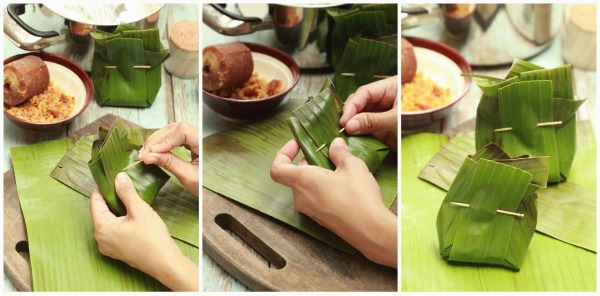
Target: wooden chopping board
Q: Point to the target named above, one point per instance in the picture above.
(16, 257)
(298, 261)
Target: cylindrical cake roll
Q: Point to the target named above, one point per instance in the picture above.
(226, 65)
(24, 78)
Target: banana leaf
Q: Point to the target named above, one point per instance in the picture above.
(111, 156)
(122, 84)
(365, 58)
(550, 264)
(316, 123)
(347, 24)
(567, 211)
(63, 253)
(176, 206)
(501, 98)
(489, 181)
(236, 164)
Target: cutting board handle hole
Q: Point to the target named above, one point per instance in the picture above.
(228, 222)
(22, 247)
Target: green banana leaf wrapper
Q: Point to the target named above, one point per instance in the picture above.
(316, 123)
(489, 181)
(116, 81)
(111, 155)
(530, 95)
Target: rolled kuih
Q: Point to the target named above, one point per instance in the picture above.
(226, 65)
(24, 78)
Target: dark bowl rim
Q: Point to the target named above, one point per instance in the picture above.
(69, 65)
(455, 57)
(294, 67)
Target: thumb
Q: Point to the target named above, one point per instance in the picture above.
(126, 191)
(368, 123)
(340, 155)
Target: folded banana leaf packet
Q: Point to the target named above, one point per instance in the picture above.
(126, 68)
(316, 123)
(530, 112)
(489, 214)
(116, 152)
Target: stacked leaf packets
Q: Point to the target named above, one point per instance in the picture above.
(64, 255)
(126, 69)
(316, 123)
(114, 153)
(530, 112)
(489, 214)
(364, 45)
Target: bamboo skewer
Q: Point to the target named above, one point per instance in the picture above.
(541, 124)
(347, 74)
(135, 67)
(319, 149)
(504, 129)
(131, 165)
(551, 123)
(464, 205)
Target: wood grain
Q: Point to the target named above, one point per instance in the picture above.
(309, 265)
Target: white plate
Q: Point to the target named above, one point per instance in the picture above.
(441, 70)
(69, 82)
(271, 68)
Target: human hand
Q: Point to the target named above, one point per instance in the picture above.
(140, 238)
(373, 109)
(157, 149)
(347, 201)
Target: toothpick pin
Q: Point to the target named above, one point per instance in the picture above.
(381, 76)
(319, 149)
(110, 67)
(464, 205)
(132, 165)
(348, 74)
(504, 129)
(342, 130)
(551, 123)
(141, 67)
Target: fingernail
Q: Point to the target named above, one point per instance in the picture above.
(352, 126)
(338, 142)
(151, 160)
(122, 178)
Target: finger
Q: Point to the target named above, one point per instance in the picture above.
(98, 208)
(282, 169)
(172, 163)
(172, 136)
(368, 123)
(379, 95)
(126, 192)
(339, 153)
(303, 161)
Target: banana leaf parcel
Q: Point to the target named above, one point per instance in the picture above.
(531, 111)
(489, 214)
(110, 156)
(126, 68)
(550, 264)
(237, 162)
(566, 211)
(176, 206)
(316, 123)
(63, 253)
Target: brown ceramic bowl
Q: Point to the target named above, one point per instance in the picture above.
(270, 63)
(444, 66)
(70, 77)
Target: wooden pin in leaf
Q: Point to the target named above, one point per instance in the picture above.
(504, 129)
(551, 123)
(131, 165)
(464, 205)
(319, 149)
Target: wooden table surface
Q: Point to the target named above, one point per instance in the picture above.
(177, 100)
